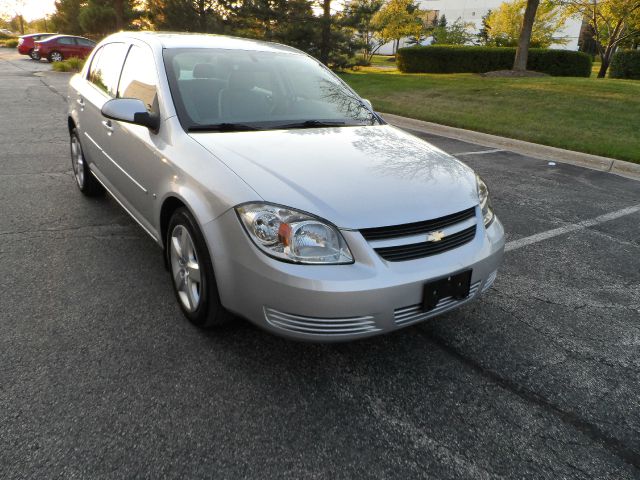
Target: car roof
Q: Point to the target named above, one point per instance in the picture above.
(36, 34)
(200, 40)
(56, 36)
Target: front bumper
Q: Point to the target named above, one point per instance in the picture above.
(340, 302)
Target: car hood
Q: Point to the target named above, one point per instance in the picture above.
(355, 177)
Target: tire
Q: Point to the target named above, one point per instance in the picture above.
(55, 56)
(85, 180)
(187, 253)
(34, 55)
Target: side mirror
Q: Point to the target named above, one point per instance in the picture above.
(130, 110)
(367, 103)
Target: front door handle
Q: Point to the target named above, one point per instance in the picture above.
(107, 124)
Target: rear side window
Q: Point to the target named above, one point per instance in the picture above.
(139, 78)
(106, 66)
(84, 42)
(66, 41)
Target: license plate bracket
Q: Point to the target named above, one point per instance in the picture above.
(456, 286)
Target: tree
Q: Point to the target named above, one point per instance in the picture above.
(612, 22)
(398, 19)
(455, 34)
(206, 16)
(502, 26)
(67, 16)
(522, 52)
(360, 16)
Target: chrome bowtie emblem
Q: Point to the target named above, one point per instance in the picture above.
(435, 236)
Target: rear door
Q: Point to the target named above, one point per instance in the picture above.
(67, 46)
(99, 87)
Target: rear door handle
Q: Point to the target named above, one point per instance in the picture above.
(107, 124)
(80, 101)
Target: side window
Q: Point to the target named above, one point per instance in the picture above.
(84, 42)
(106, 67)
(66, 41)
(139, 78)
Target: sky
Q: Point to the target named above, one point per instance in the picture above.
(30, 9)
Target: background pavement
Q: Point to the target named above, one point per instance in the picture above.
(101, 377)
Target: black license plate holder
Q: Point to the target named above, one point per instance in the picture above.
(456, 286)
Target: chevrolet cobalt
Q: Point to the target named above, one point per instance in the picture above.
(276, 192)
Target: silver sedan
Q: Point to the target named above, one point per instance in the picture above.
(276, 192)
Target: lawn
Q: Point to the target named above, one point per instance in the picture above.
(601, 117)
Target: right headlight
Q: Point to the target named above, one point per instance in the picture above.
(485, 201)
(293, 236)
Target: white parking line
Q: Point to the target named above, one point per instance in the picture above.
(480, 152)
(539, 237)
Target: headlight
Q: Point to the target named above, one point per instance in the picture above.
(485, 202)
(293, 236)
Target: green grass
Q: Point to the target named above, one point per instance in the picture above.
(383, 61)
(69, 65)
(583, 114)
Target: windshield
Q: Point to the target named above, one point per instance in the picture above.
(227, 90)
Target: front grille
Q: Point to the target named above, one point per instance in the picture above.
(399, 253)
(418, 228)
(415, 313)
(320, 326)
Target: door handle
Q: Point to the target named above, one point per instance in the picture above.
(80, 101)
(107, 124)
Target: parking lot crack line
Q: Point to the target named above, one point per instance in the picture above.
(539, 237)
(612, 444)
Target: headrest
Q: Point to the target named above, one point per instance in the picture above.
(204, 70)
(241, 79)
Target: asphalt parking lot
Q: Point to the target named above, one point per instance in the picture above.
(101, 377)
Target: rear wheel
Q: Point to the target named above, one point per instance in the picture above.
(55, 56)
(191, 269)
(86, 182)
(34, 55)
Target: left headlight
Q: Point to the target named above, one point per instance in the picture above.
(293, 236)
(485, 201)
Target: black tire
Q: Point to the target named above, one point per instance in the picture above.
(209, 312)
(86, 182)
(54, 53)
(34, 55)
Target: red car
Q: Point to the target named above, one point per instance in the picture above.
(59, 47)
(26, 43)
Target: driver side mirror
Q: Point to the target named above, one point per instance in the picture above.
(131, 110)
(367, 103)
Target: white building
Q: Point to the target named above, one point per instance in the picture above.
(472, 11)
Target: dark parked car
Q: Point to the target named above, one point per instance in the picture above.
(26, 43)
(59, 47)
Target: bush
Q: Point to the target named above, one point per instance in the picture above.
(11, 43)
(69, 65)
(454, 59)
(4, 36)
(626, 64)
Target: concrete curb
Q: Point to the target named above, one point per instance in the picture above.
(535, 150)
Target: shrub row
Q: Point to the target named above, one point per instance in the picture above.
(11, 43)
(72, 64)
(626, 64)
(455, 59)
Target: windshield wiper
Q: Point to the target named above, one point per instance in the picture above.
(222, 127)
(311, 124)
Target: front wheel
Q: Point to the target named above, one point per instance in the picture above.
(191, 269)
(86, 182)
(55, 56)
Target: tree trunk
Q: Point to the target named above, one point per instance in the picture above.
(325, 41)
(606, 61)
(522, 53)
(118, 6)
(21, 24)
(202, 16)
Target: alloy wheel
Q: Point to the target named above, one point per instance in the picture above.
(77, 160)
(185, 269)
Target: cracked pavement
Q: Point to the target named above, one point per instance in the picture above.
(101, 377)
